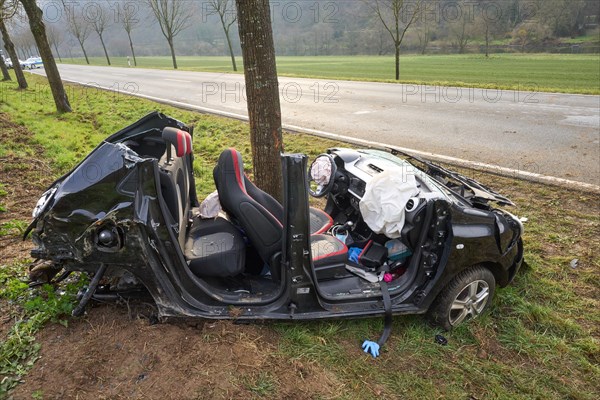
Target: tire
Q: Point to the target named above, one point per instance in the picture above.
(468, 295)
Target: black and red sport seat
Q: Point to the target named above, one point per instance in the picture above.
(181, 140)
(175, 180)
(263, 229)
(258, 214)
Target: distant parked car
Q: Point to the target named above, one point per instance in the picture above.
(32, 62)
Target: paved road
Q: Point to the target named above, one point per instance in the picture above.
(550, 134)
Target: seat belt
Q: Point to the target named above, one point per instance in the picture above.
(371, 347)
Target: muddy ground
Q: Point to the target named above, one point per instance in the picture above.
(112, 354)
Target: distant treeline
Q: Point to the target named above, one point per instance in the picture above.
(342, 27)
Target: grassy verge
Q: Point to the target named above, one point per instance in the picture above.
(563, 73)
(30, 311)
(541, 339)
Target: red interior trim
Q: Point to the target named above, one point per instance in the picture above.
(236, 167)
(181, 148)
(188, 143)
(364, 250)
(327, 225)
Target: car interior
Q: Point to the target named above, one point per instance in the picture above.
(238, 253)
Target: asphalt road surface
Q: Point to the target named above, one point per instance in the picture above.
(550, 134)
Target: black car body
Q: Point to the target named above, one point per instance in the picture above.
(129, 210)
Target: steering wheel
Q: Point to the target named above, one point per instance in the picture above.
(320, 176)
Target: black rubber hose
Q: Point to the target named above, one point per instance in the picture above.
(78, 311)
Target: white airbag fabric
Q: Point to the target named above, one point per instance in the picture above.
(210, 207)
(321, 171)
(386, 195)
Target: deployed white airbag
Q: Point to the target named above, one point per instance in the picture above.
(386, 195)
(210, 207)
(320, 171)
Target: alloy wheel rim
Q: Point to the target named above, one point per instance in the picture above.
(469, 302)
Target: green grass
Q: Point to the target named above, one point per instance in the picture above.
(13, 227)
(540, 340)
(3, 193)
(566, 73)
(30, 310)
(590, 38)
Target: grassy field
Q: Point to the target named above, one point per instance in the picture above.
(541, 339)
(537, 72)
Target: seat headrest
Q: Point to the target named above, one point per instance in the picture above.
(181, 140)
(230, 162)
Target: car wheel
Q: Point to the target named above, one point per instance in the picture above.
(467, 296)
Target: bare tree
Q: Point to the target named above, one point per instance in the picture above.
(5, 74)
(264, 109)
(34, 14)
(7, 10)
(173, 17)
(561, 15)
(461, 31)
(397, 16)
(129, 21)
(23, 40)
(78, 26)
(488, 21)
(55, 36)
(226, 12)
(100, 20)
(3, 67)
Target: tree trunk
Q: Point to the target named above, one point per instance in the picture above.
(12, 53)
(172, 47)
(231, 51)
(57, 53)
(104, 47)
(5, 74)
(132, 52)
(487, 41)
(84, 53)
(34, 13)
(262, 87)
(397, 62)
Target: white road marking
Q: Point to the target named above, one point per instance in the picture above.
(362, 112)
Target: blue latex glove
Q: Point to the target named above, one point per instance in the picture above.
(353, 253)
(370, 347)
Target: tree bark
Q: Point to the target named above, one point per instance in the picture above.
(38, 29)
(57, 52)
(5, 74)
(487, 41)
(397, 62)
(84, 53)
(12, 53)
(231, 51)
(262, 89)
(132, 51)
(172, 47)
(104, 47)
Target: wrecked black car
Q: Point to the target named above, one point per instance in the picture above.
(392, 238)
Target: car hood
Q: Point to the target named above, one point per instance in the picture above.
(463, 186)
